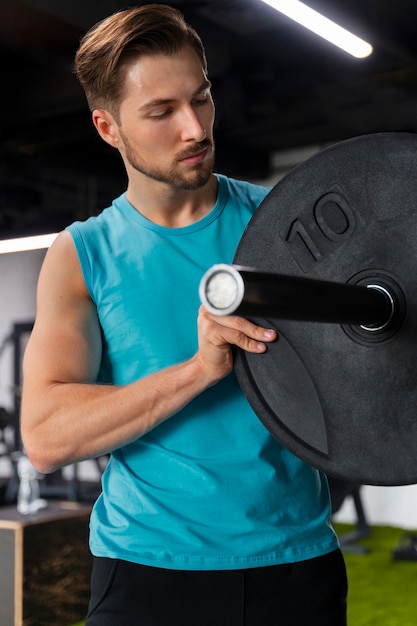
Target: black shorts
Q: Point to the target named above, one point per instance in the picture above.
(309, 593)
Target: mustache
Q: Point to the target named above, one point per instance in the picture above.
(195, 149)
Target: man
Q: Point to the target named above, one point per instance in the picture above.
(204, 519)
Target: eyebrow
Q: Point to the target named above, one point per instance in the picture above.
(161, 101)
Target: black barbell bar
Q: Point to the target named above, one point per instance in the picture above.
(233, 289)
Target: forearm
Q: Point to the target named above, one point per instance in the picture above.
(69, 422)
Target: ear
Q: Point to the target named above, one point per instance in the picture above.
(106, 126)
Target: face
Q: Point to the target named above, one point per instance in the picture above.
(166, 120)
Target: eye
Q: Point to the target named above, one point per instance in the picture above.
(201, 101)
(161, 116)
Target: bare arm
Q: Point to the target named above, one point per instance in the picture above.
(67, 417)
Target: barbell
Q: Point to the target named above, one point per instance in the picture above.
(329, 261)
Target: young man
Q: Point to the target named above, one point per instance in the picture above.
(204, 519)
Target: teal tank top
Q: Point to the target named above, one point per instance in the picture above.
(209, 488)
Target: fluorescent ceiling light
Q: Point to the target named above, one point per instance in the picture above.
(322, 26)
(21, 244)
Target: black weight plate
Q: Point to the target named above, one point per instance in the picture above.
(342, 398)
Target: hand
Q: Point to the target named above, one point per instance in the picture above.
(217, 335)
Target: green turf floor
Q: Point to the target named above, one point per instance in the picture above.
(382, 591)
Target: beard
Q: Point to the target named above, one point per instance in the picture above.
(196, 176)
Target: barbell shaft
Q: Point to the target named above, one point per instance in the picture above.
(232, 289)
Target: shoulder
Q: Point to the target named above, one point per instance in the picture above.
(108, 218)
(61, 264)
(241, 190)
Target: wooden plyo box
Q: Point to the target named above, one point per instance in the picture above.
(45, 565)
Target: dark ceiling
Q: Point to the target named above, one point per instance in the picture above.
(276, 87)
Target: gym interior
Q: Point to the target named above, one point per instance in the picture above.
(288, 105)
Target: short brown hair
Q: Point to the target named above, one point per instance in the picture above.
(128, 34)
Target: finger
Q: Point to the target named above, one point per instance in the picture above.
(242, 325)
(236, 331)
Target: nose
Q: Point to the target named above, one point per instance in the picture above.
(193, 127)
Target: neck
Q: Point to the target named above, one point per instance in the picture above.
(173, 208)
